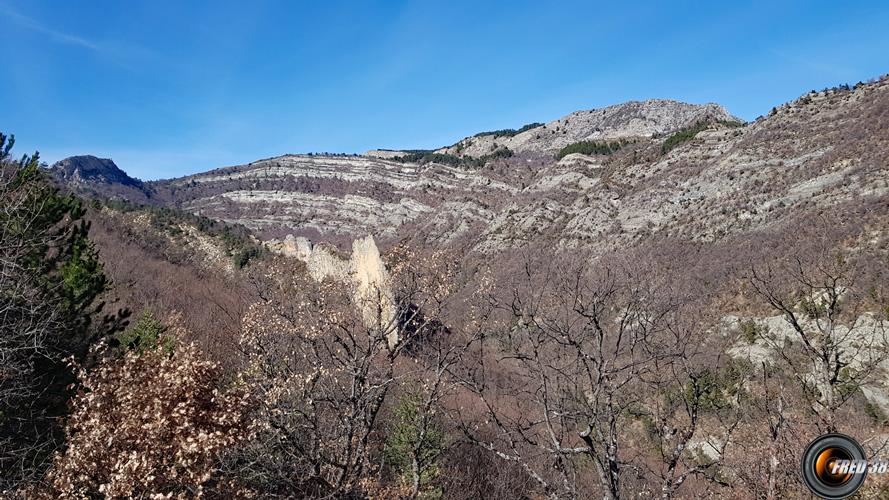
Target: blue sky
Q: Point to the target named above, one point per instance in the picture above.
(167, 88)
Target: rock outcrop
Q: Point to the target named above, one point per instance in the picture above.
(98, 176)
(291, 246)
(364, 271)
(89, 169)
(622, 121)
(373, 291)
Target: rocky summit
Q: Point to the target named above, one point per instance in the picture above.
(632, 119)
(87, 174)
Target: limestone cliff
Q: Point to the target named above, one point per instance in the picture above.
(364, 271)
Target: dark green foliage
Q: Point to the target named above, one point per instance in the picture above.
(750, 331)
(683, 135)
(848, 383)
(147, 334)
(590, 148)
(688, 133)
(812, 308)
(528, 127)
(414, 437)
(500, 153)
(50, 279)
(50, 227)
(711, 391)
(81, 275)
(430, 157)
(875, 413)
(453, 160)
(245, 255)
(509, 132)
(418, 151)
(716, 389)
(730, 123)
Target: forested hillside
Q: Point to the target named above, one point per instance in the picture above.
(670, 310)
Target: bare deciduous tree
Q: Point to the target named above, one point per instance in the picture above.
(578, 346)
(324, 360)
(839, 348)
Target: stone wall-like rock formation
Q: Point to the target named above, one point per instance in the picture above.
(364, 272)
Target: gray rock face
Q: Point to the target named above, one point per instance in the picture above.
(622, 121)
(89, 169)
(297, 247)
(98, 177)
(820, 153)
(863, 342)
(330, 197)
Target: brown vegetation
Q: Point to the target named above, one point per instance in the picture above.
(150, 424)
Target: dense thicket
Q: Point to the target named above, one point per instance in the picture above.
(453, 160)
(590, 148)
(509, 132)
(688, 133)
(50, 278)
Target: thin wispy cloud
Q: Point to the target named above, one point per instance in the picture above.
(26, 22)
(131, 57)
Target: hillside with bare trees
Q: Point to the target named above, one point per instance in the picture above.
(671, 308)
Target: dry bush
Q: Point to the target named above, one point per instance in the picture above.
(470, 472)
(150, 425)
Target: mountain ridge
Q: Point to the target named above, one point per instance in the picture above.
(808, 155)
(631, 119)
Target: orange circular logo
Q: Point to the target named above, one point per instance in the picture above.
(834, 466)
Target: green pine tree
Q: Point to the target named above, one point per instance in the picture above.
(50, 282)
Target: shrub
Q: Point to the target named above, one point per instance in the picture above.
(877, 415)
(149, 425)
(147, 334)
(590, 148)
(509, 132)
(244, 255)
(717, 388)
(750, 331)
(414, 443)
(682, 136)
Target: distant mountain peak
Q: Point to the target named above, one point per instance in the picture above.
(88, 169)
(100, 178)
